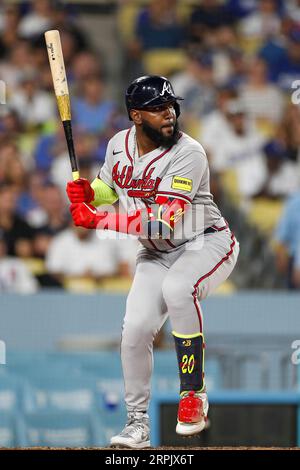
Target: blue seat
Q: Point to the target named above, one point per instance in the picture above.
(165, 371)
(112, 408)
(24, 357)
(43, 367)
(65, 392)
(63, 429)
(102, 364)
(15, 393)
(12, 430)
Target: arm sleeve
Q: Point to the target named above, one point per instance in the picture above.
(104, 194)
(184, 175)
(103, 185)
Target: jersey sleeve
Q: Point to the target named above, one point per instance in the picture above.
(184, 175)
(105, 173)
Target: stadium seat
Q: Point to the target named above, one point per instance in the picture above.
(42, 367)
(104, 364)
(112, 412)
(65, 392)
(12, 430)
(63, 429)
(264, 214)
(164, 61)
(15, 393)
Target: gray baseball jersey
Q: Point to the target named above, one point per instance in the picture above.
(171, 275)
(181, 172)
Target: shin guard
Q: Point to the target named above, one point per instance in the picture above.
(190, 356)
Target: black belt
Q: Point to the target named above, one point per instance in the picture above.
(214, 229)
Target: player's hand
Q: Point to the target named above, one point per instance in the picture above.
(80, 191)
(85, 215)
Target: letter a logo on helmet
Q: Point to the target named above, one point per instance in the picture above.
(166, 88)
(149, 91)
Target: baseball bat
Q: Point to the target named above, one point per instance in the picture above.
(61, 90)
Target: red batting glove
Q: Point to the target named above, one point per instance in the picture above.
(85, 215)
(80, 191)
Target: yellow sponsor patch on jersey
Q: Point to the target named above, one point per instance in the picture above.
(178, 182)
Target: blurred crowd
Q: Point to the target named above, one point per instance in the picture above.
(236, 63)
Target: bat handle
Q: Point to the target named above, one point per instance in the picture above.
(70, 143)
(75, 175)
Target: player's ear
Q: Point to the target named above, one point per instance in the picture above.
(136, 116)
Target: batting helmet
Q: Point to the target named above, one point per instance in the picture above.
(149, 91)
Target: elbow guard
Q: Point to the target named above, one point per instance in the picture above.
(164, 215)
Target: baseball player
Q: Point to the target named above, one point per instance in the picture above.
(161, 177)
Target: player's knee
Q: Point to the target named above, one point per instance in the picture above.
(176, 291)
(136, 333)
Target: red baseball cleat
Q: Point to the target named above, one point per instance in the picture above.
(192, 413)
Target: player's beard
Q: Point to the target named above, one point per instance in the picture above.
(157, 136)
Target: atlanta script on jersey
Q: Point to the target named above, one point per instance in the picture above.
(180, 171)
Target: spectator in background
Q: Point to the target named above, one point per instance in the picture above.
(9, 29)
(18, 61)
(158, 26)
(15, 278)
(40, 55)
(10, 125)
(240, 8)
(16, 233)
(280, 176)
(69, 47)
(85, 64)
(287, 238)
(262, 100)
(91, 108)
(12, 170)
(196, 86)
(50, 219)
(216, 120)
(38, 20)
(296, 269)
(238, 68)
(126, 247)
(263, 23)
(224, 50)
(292, 10)
(289, 132)
(48, 148)
(30, 198)
(77, 253)
(285, 68)
(206, 19)
(235, 144)
(15, 154)
(62, 20)
(34, 106)
(86, 145)
(51, 215)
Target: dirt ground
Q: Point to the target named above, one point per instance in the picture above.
(162, 448)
